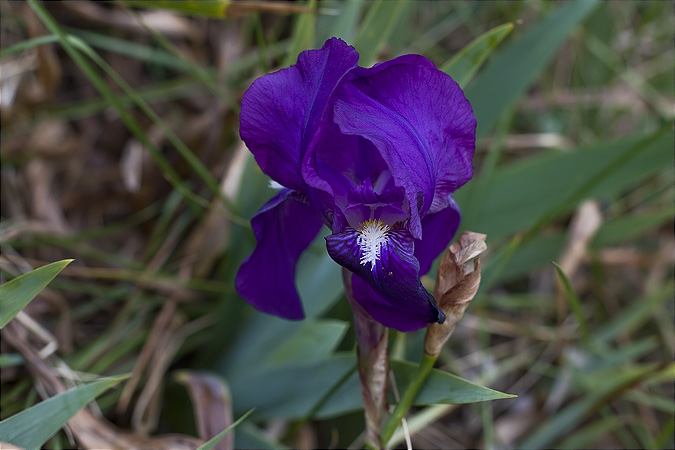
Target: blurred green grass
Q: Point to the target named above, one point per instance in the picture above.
(576, 104)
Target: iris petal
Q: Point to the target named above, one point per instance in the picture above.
(386, 262)
(359, 150)
(420, 121)
(383, 311)
(284, 227)
(280, 112)
(438, 230)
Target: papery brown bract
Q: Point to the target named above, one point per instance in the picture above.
(456, 286)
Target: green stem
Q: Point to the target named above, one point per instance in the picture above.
(423, 371)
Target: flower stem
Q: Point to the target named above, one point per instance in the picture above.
(373, 365)
(423, 371)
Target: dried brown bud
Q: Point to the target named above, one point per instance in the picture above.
(456, 285)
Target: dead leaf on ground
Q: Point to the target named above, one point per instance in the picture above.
(212, 405)
(90, 431)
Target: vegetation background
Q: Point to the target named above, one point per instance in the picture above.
(120, 150)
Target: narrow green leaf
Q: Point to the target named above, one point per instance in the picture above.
(629, 226)
(251, 436)
(345, 25)
(440, 387)
(28, 44)
(10, 359)
(319, 383)
(444, 387)
(211, 443)
(218, 9)
(214, 9)
(655, 401)
(585, 437)
(303, 35)
(311, 340)
(142, 52)
(318, 278)
(304, 386)
(73, 46)
(451, 390)
(575, 303)
(666, 436)
(197, 71)
(464, 65)
(31, 428)
(604, 356)
(17, 293)
(376, 28)
(270, 341)
(635, 315)
(610, 383)
(603, 169)
(513, 69)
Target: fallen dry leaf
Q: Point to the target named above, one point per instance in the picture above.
(585, 223)
(212, 405)
(90, 431)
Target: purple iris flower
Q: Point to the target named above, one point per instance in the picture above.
(372, 153)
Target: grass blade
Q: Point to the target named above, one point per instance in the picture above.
(74, 47)
(512, 70)
(303, 35)
(17, 293)
(464, 65)
(31, 428)
(575, 304)
(67, 43)
(376, 28)
(211, 443)
(213, 8)
(28, 44)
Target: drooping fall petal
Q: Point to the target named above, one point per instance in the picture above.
(384, 258)
(283, 228)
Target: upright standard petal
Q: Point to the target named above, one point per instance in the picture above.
(283, 229)
(383, 257)
(419, 120)
(281, 111)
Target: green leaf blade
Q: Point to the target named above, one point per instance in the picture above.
(211, 443)
(509, 205)
(464, 65)
(215, 9)
(376, 28)
(17, 293)
(31, 428)
(443, 387)
(439, 388)
(513, 69)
